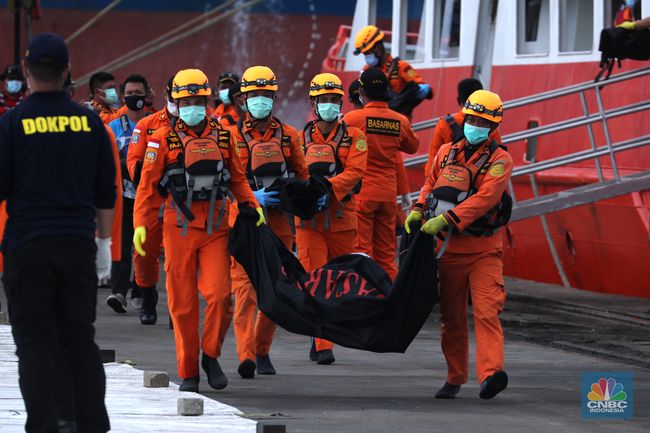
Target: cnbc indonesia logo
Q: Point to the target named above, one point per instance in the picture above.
(606, 397)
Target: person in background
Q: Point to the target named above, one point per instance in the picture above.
(134, 90)
(15, 88)
(226, 109)
(103, 96)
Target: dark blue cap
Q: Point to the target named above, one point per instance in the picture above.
(47, 49)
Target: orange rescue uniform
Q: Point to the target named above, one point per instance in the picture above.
(472, 265)
(443, 133)
(196, 259)
(387, 133)
(116, 228)
(399, 75)
(146, 269)
(317, 241)
(226, 115)
(253, 336)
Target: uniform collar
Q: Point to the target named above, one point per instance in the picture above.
(317, 133)
(376, 104)
(209, 127)
(248, 126)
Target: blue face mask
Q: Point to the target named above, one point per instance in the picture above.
(328, 112)
(223, 95)
(14, 86)
(630, 3)
(475, 134)
(371, 59)
(192, 115)
(111, 96)
(260, 107)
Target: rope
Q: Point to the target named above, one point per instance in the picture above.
(92, 21)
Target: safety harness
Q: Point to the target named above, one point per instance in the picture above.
(199, 174)
(456, 184)
(456, 130)
(327, 160)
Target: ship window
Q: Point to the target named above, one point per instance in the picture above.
(532, 26)
(381, 15)
(413, 37)
(576, 25)
(446, 32)
(617, 11)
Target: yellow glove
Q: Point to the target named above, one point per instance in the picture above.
(140, 237)
(627, 25)
(261, 219)
(434, 225)
(413, 216)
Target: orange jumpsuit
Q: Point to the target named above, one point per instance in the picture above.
(317, 244)
(443, 133)
(222, 111)
(254, 336)
(105, 113)
(472, 265)
(387, 133)
(402, 186)
(116, 228)
(146, 268)
(399, 76)
(197, 259)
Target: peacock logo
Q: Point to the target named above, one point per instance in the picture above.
(607, 390)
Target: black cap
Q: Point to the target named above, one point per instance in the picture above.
(12, 72)
(374, 83)
(47, 49)
(228, 76)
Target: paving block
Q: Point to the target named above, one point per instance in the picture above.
(190, 406)
(108, 355)
(271, 428)
(156, 379)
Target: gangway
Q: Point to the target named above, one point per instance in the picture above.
(603, 189)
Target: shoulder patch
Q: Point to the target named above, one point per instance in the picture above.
(135, 138)
(151, 155)
(497, 169)
(361, 145)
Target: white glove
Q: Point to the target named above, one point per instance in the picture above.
(406, 201)
(103, 260)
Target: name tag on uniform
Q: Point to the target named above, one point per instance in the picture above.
(381, 126)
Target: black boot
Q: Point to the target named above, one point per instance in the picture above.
(448, 391)
(216, 378)
(191, 384)
(325, 357)
(264, 365)
(246, 369)
(148, 314)
(493, 385)
(313, 356)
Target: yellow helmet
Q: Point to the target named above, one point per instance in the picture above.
(485, 104)
(258, 78)
(190, 82)
(324, 84)
(366, 39)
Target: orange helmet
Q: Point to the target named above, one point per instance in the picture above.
(258, 78)
(190, 82)
(366, 39)
(485, 104)
(323, 84)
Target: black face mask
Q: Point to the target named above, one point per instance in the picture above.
(134, 102)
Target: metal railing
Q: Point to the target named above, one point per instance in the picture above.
(594, 152)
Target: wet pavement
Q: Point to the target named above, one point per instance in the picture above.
(553, 335)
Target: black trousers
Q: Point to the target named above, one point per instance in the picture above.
(121, 271)
(51, 287)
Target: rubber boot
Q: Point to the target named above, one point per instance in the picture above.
(448, 390)
(216, 378)
(247, 369)
(493, 385)
(191, 384)
(264, 365)
(148, 314)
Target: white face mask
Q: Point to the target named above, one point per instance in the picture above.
(172, 108)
